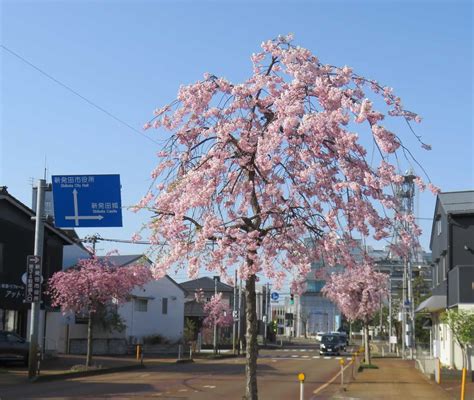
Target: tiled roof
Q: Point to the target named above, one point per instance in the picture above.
(193, 309)
(457, 202)
(206, 284)
(122, 261)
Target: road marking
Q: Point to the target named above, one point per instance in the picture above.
(316, 356)
(349, 358)
(209, 386)
(305, 356)
(331, 380)
(302, 349)
(182, 390)
(295, 356)
(338, 358)
(286, 350)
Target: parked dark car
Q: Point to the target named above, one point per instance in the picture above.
(13, 347)
(331, 344)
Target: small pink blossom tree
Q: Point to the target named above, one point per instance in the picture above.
(92, 284)
(358, 292)
(217, 312)
(257, 167)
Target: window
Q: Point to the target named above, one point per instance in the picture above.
(438, 226)
(443, 261)
(141, 305)
(164, 306)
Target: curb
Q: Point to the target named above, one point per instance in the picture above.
(185, 361)
(80, 374)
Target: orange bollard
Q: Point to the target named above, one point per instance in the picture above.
(463, 384)
(138, 352)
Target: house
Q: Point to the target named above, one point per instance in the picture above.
(208, 286)
(17, 232)
(194, 311)
(155, 309)
(452, 246)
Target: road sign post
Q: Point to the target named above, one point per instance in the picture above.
(84, 201)
(34, 263)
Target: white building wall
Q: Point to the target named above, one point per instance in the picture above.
(322, 315)
(445, 345)
(138, 323)
(153, 321)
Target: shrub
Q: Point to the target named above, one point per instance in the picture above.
(155, 339)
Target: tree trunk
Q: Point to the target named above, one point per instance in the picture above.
(468, 359)
(89, 341)
(350, 332)
(251, 392)
(366, 343)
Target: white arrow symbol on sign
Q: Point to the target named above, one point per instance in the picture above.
(76, 217)
(76, 207)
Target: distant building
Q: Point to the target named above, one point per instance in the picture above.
(278, 315)
(452, 244)
(315, 313)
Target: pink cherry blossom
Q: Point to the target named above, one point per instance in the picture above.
(267, 175)
(94, 282)
(217, 312)
(357, 291)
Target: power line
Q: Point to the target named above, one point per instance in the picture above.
(90, 102)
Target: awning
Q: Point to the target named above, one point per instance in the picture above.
(432, 304)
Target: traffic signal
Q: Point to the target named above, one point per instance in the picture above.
(275, 326)
(292, 299)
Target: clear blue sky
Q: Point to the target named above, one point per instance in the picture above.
(130, 57)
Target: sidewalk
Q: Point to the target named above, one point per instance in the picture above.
(14, 374)
(453, 387)
(395, 379)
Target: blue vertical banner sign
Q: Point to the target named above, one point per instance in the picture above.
(86, 201)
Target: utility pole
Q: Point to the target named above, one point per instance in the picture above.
(403, 309)
(215, 324)
(239, 323)
(233, 314)
(390, 310)
(35, 306)
(411, 335)
(265, 319)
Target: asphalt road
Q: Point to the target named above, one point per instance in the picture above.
(202, 380)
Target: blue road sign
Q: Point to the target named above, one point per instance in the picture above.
(84, 201)
(275, 296)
